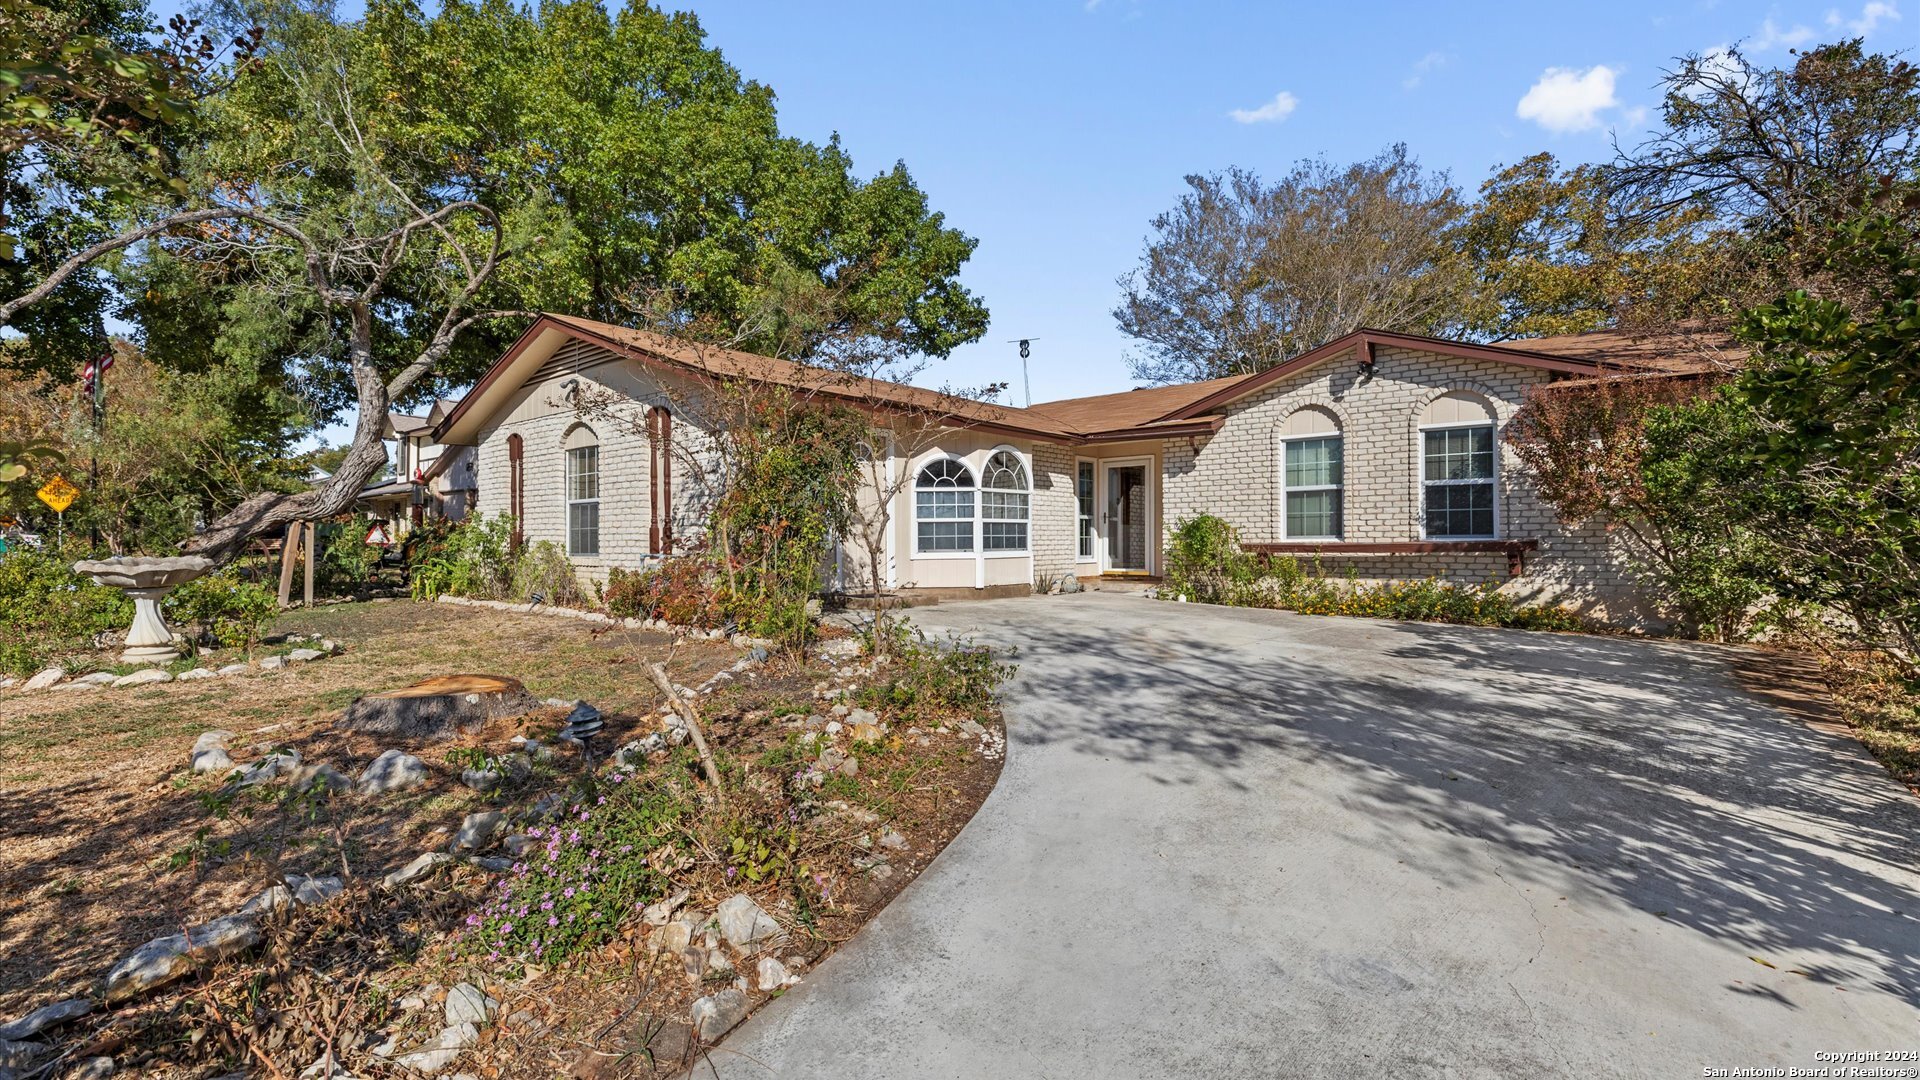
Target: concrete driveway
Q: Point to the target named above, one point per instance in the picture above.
(1249, 844)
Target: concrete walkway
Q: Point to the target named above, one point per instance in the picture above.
(1256, 844)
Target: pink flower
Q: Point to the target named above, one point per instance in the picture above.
(553, 920)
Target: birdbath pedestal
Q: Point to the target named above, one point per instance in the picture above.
(146, 579)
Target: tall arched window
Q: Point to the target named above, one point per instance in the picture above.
(1312, 476)
(582, 490)
(1458, 459)
(943, 508)
(1004, 498)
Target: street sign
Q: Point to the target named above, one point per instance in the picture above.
(58, 494)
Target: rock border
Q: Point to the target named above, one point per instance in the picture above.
(55, 677)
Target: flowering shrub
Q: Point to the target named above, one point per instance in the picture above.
(597, 862)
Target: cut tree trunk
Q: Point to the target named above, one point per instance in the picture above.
(439, 708)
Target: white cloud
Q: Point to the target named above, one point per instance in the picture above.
(1871, 15)
(1771, 36)
(1566, 100)
(1274, 111)
(1424, 66)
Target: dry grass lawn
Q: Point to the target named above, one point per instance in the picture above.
(109, 840)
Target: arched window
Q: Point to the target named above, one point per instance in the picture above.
(943, 507)
(1312, 475)
(1458, 459)
(1004, 495)
(582, 490)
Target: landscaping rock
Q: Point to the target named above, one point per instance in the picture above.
(322, 776)
(47, 677)
(857, 717)
(835, 760)
(314, 890)
(190, 676)
(439, 1052)
(477, 830)
(468, 1004)
(97, 678)
(232, 669)
(212, 740)
(273, 766)
(744, 923)
(774, 974)
(19, 1055)
(273, 663)
(492, 864)
(301, 656)
(214, 760)
(635, 752)
(44, 1017)
(165, 959)
(420, 867)
(717, 1014)
(867, 733)
(657, 914)
(673, 937)
(393, 770)
(269, 901)
(93, 1068)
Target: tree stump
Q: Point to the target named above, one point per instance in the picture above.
(439, 708)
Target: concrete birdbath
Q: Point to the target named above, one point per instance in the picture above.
(147, 579)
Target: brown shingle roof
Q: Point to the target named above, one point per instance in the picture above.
(733, 364)
(1129, 408)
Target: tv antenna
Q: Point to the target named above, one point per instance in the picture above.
(1026, 350)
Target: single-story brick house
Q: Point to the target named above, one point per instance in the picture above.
(1379, 452)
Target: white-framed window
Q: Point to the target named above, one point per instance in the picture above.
(582, 485)
(1312, 476)
(1005, 502)
(1083, 508)
(943, 508)
(1459, 461)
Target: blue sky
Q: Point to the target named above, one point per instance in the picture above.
(1054, 130)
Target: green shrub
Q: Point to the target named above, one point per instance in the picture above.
(1206, 563)
(50, 612)
(1213, 570)
(224, 607)
(473, 558)
(347, 561)
(930, 679)
(543, 568)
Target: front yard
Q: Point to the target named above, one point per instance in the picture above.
(824, 811)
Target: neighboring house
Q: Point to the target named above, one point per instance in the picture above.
(431, 479)
(1378, 454)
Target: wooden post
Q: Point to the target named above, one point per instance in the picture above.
(679, 704)
(289, 550)
(312, 529)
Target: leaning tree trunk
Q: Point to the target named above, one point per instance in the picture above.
(268, 512)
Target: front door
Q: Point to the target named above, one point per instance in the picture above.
(1128, 519)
